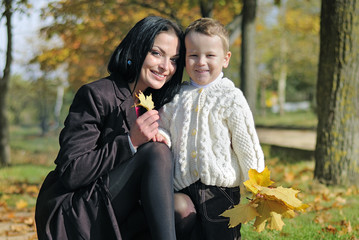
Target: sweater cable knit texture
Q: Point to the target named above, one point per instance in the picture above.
(212, 135)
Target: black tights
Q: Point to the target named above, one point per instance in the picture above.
(145, 182)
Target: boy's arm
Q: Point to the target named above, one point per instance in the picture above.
(163, 134)
(245, 140)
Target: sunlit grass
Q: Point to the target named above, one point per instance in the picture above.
(32, 158)
(29, 146)
(300, 119)
(332, 212)
(27, 173)
(30, 139)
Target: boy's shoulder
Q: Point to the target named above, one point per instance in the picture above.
(225, 86)
(186, 86)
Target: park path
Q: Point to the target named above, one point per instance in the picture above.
(291, 138)
(17, 225)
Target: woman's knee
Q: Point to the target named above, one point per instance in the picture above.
(153, 153)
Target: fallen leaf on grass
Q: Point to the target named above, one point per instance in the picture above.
(17, 230)
(347, 227)
(32, 190)
(325, 197)
(330, 229)
(29, 221)
(289, 177)
(323, 217)
(21, 204)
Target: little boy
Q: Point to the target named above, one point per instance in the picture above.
(211, 131)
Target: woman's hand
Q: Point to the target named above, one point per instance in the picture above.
(145, 128)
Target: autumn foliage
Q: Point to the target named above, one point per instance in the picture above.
(268, 204)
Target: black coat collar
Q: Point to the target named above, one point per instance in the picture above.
(127, 104)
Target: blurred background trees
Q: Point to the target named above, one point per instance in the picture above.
(78, 37)
(275, 53)
(7, 8)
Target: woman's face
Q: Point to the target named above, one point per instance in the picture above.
(160, 63)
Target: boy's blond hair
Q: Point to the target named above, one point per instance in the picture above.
(210, 27)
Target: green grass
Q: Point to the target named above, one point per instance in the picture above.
(300, 119)
(27, 173)
(32, 158)
(30, 139)
(22, 182)
(304, 226)
(29, 146)
(331, 209)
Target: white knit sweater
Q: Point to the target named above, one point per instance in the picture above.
(212, 135)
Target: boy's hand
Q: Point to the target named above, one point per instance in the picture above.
(159, 138)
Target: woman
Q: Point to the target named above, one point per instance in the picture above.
(109, 173)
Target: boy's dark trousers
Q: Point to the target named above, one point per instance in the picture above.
(210, 202)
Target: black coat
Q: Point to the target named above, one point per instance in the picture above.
(73, 202)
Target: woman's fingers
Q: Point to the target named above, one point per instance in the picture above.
(145, 128)
(148, 122)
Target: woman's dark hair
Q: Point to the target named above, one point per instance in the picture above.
(127, 59)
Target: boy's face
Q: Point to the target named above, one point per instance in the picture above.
(205, 57)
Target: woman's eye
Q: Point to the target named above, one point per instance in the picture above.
(155, 53)
(174, 60)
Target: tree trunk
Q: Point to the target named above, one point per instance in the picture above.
(283, 69)
(59, 102)
(43, 105)
(206, 7)
(4, 86)
(337, 148)
(282, 81)
(248, 69)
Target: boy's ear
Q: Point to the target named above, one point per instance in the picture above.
(227, 57)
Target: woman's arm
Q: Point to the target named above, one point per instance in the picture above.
(83, 158)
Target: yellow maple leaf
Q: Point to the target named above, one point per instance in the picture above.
(145, 101)
(289, 214)
(21, 204)
(275, 222)
(270, 212)
(257, 179)
(241, 213)
(268, 205)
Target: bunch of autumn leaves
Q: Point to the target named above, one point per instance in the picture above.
(268, 204)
